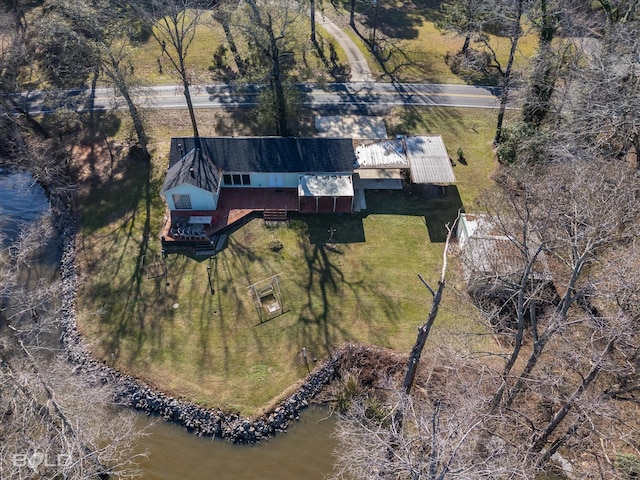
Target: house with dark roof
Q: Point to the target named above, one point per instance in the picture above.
(213, 182)
(318, 169)
(192, 183)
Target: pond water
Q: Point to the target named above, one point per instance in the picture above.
(21, 201)
(304, 452)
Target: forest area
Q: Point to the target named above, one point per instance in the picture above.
(559, 390)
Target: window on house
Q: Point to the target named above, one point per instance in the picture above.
(182, 202)
(246, 179)
(236, 179)
(227, 179)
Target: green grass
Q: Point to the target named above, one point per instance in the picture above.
(471, 129)
(415, 48)
(212, 348)
(209, 37)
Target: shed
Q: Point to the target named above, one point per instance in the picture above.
(325, 193)
(494, 266)
(429, 161)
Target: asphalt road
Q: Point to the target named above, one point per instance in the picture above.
(339, 97)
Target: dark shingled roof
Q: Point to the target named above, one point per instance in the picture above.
(195, 169)
(270, 154)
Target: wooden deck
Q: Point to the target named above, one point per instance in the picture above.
(235, 204)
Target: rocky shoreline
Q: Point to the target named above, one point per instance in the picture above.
(133, 393)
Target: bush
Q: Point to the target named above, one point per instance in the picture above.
(275, 245)
(628, 464)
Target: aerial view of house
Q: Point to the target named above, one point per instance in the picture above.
(212, 183)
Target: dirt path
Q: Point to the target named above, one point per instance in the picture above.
(359, 67)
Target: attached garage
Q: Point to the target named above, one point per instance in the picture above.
(325, 193)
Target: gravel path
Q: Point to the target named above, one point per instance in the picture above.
(359, 67)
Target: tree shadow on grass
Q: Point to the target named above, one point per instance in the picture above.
(124, 202)
(334, 295)
(410, 119)
(439, 206)
(330, 228)
(392, 22)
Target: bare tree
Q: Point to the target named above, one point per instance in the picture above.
(575, 214)
(465, 18)
(602, 113)
(431, 441)
(104, 30)
(173, 23)
(223, 14)
(267, 30)
(513, 29)
(424, 329)
(54, 421)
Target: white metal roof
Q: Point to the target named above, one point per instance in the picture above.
(325, 186)
(351, 126)
(429, 160)
(381, 154)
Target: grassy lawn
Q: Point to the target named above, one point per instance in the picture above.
(413, 48)
(212, 348)
(156, 69)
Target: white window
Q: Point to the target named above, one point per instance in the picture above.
(182, 202)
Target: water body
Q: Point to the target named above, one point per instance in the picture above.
(303, 453)
(21, 201)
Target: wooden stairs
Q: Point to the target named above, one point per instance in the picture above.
(274, 215)
(216, 244)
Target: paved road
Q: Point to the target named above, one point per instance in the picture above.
(339, 97)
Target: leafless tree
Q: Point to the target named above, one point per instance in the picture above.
(425, 328)
(601, 116)
(465, 18)
(267, 28)
(104, 29)
(223, 14)
(173, 23)
(54, 422)
(577, 214)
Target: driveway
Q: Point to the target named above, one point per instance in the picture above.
(359, 67)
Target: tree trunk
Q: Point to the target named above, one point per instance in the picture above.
(423, 330)
(187, 94)
(423, 334)
(543, 82)
(192, 115)
(465, 46)
(506, 83)
(121, 84)
(559, 315)
(137, 124)
(522, 286)
(541, 440)
(313, 22)
(352, 14)
(232, 46)
(281, 102)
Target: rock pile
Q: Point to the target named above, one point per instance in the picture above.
(131, 392)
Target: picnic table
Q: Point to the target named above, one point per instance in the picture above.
(203, 219)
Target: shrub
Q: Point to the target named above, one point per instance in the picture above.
(275, 245)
